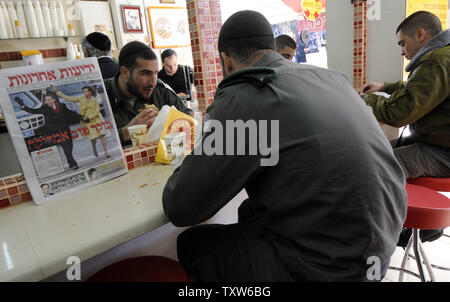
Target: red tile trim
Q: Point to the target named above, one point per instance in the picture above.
(46, 53)
(204, 19)
(14, 56)
(13, 190)
(4, 56)
(140, 156)
(359, 44)
(4, 203)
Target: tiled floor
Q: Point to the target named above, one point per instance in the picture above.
(438, 253)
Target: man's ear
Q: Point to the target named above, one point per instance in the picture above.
(124, 72)
(421, 35)
(227, 63)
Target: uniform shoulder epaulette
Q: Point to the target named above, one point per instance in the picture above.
(258, 76)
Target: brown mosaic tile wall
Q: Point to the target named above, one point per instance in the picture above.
(140, 156)
(14, 190)
(204, 25)
(359, 43)
(46, 53)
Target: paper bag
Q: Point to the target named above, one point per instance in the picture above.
(176, 121)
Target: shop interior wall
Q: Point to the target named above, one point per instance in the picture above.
(12, 45)
(384, 62)
(184, 53)
(33, 44)
(340, 36)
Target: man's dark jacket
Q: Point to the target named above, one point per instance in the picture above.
(124, 112)
(336, 198)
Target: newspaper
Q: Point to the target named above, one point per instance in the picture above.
(61, 126)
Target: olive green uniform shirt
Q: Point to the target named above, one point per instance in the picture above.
(423, 102)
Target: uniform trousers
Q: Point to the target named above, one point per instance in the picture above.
(418, 159)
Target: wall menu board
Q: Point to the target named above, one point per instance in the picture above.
(169, 27)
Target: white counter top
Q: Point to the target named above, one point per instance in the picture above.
(35, 241)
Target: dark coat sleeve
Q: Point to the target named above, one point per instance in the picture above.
(31, 110)
(426, 89)
(203, 184)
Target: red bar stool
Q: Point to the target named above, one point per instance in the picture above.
(427, 209)
(143, 269)
(434, 183)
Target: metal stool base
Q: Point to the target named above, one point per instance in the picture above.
(415, 243)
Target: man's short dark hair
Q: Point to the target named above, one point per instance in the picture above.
(91, 171)
(167, 53)
(284, 40)
(244, 34)
(90, 88)
(134, 50)
(420, 19)
(52, 94)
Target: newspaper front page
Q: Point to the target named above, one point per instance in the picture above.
(61, 126)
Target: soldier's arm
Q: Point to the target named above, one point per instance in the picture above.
(426, 89)
(66, 97)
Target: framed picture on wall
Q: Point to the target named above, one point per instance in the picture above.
(169, 27)
(132, 18)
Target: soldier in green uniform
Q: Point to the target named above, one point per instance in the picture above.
(329, 208)
(135, 86)
(423, 103)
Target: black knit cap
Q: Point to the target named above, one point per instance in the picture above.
(132, 48)
(99, 41)
(245, 24)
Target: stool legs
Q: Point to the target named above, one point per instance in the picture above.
(405, 259)
(427, 263)
(415, 235)
(416, 244)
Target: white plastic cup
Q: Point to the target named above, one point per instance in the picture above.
(33, 59)
(137, 134)
(175, 147)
